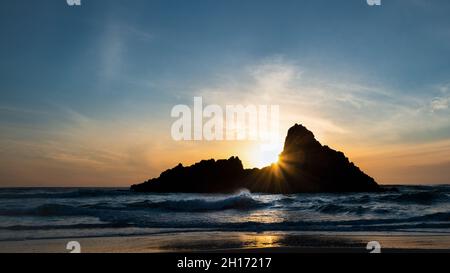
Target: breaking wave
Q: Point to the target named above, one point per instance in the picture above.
(239, 202)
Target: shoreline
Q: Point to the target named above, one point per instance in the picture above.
(239, 242)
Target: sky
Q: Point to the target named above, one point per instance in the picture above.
(86, 91)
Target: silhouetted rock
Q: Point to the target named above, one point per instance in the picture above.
(203, 177)
(304, 166)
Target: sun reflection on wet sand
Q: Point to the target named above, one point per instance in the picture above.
(235, 242)
(259, 240)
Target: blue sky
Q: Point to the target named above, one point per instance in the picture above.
(93, 85)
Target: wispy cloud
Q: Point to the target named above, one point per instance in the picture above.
(442, 101)
(370, 113)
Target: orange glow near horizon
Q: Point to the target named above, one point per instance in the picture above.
(124, 157)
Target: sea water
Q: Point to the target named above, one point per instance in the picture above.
(42, 213)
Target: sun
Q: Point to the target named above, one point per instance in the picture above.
(267, 154)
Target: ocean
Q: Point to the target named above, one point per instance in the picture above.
(50, 213)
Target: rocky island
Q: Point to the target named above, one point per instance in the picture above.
(305, 166)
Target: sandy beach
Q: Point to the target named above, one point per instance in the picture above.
(273, 242)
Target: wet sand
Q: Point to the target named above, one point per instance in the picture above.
(238, 242)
